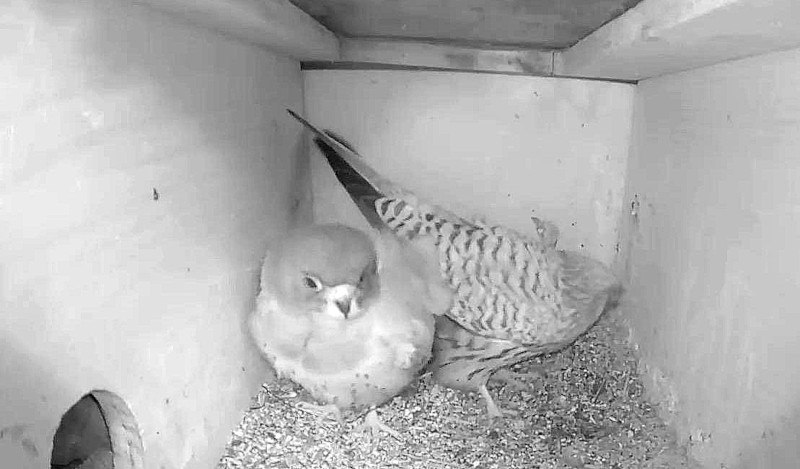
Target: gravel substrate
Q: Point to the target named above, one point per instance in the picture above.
(589, 411)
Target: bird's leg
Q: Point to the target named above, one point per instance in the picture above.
(492, 408)
(519, 380)
(322, 411)
(374, 425)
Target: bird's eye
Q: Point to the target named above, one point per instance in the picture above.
(311, 283)
(368, 272)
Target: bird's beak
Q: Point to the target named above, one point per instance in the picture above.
(341, 298)
(344, 306)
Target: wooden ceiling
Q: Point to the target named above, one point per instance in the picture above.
(532, 24)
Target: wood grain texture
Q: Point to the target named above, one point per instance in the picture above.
(710, 249)
(275, 24)
(103, 285)
(524, 24)
(416, 54)
(659, 37)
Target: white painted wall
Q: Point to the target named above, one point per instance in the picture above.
(101, 286)
(712, 255)
(501, 147)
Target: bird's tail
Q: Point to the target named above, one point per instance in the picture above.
(361, 182)
(588, 286)
(383, 204)
(360, 190)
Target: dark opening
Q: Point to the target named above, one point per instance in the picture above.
(97, 432)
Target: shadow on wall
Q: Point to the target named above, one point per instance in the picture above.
(121, 61)
(20, 442)
(151, 161)
(778, 446)
(118, 64)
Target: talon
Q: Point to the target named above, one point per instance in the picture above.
(518, 380)
(323, 412)
(492, 408)
(374, 425)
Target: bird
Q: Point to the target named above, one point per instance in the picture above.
(515, 295)
(347, 316)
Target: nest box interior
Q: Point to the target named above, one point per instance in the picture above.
(147, 160)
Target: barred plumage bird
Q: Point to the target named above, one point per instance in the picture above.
(515, 296)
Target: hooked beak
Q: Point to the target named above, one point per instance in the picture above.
(344, 306)
(341, 299)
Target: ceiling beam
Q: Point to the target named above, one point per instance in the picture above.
(442, 56)
(658, 37)
(276, 25)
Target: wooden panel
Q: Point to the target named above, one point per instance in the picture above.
(144, 166)
(659, 37)
(538, 24)
(712, 255)
(502, 147)
(275, 24)
(417, 54)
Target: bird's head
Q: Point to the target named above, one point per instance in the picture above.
(327, 269)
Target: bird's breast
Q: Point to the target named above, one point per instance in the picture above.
(349, 363)
(350, 371)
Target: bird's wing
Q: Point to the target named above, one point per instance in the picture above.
(367, 188)
(412, 292)
(589, 286)
(506, 284)
(409, 271)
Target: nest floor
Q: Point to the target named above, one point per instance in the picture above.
(588, 411)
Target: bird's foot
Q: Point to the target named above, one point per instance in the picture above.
(518, 380)
(406, 355)
(373, 425)
(491, 407)
(327, 411)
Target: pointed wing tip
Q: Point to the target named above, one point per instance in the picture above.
(296, 116)
(326, 136)
(318, 132)
(302, 120)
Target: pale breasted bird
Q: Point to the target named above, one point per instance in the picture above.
(348, 317)
(515, 296)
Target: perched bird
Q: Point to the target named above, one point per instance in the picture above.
(349, 319)
(515, 296)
